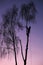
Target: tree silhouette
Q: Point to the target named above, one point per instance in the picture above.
(28, 13)
(9, 26)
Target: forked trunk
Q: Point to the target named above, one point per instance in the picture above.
(26, 51)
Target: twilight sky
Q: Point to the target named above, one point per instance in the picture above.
(35, 52)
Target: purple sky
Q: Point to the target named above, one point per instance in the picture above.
(35, 52)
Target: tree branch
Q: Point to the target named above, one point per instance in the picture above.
(21, 50)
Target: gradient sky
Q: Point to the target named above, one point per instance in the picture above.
(35, 52)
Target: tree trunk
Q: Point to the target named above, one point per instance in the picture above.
(14, 51)
(26, 51)
(15, 55)
(13, 40)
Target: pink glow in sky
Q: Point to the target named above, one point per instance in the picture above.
(35, 52)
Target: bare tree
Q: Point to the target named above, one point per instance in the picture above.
(9, 26)
(28, 13)
(11, 23)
